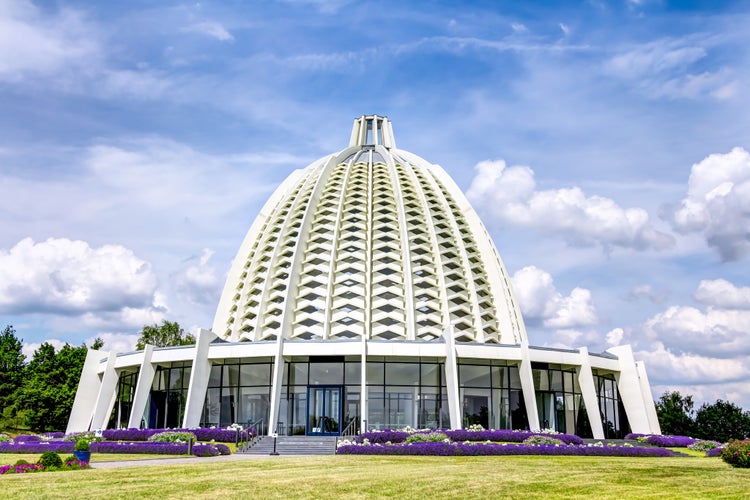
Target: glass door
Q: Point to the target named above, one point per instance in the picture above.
(323, 410)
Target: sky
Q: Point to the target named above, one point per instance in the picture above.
(605, 145)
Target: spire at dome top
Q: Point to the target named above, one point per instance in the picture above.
(371, 130)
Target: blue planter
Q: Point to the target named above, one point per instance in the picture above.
(83, 456)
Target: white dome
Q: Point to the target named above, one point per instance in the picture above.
(371, 242)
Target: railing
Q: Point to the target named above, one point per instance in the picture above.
(259, 426)
(352, 429)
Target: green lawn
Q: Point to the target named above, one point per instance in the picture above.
(11, 458)
(414, 477)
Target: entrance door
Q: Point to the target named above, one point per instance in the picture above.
(323, 410)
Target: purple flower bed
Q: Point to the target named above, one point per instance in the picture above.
(205, 450)
(37, 446)
(501, 435)
(670, 441)
(27, 438)
(634, 435)
(141, 447)
(20, 469)
(459, 449)
(716, 452)
(223, 449)
(54, 435)
(202, 434)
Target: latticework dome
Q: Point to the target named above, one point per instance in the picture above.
(371, 242)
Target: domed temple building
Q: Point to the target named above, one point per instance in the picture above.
(367, 294)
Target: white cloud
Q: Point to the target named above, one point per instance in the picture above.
(61, 276)
(723, 294)
(519, 28)
(118, 342)
(33, 43)
(647, 292)
(508, 195)
(662, 68)
(565, 29)
(198, 281)
(614, 337)
(718, 203)
(211, 28)
(540, 300)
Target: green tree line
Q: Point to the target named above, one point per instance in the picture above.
(38, 395)
(720, 421)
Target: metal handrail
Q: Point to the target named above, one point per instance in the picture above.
(352, 429)
(260, 431)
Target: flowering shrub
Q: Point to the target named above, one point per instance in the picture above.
(173, 437)
(475, 449)
(538, 440)
(716, 452)
(28, 438)
(223, 449)
(36, 446)
(205, 450)
(737, 453)
(88, 436)
(507, 436)
(704, 445)
(52, 435)
(670, 441)
(634, 435)
(424, 437)
(4, 438)
(227, 435)
(51, 460)
(475, 428)
(20, 468)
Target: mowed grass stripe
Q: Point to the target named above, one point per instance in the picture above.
(406, 477)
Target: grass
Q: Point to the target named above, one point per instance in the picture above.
(11, 458)
(406, 477)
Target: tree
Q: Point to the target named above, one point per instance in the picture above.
(50, 384)
(722, 421)
(11, 366)
(164, 335)
(675, 414)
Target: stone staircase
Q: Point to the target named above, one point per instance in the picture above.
(291, 445)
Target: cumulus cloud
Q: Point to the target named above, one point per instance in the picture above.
(718, 203)
(667, 367)
(647, 292)
(29, 349)
(62, 276)
(118, 342)
(212, 29)
(723, 294)
(508, 195)
(540, 300)
(614, 337)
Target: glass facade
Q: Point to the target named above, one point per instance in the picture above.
(124, 402)
(614, 419)
(558, 400)
(490, 394)
(239, 391)
(168, 395)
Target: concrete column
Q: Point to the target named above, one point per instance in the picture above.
(363, 388)
(142, 389)
(451, 379)
(278, 379)
(588, 393)
(527, 386)
(107, 394)
(631, 391)
(86, 394)
(648, 399)
(199, 374)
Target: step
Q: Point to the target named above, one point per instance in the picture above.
(292, 445)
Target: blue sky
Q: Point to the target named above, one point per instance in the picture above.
(605, 144)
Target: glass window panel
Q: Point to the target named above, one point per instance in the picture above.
(353, 374)
(499, 378)
(568, 379)
(541, 379)
(474, 376)
(231, 375)
(515, 380)
(556, 383)
(430, 374)
(214, 380)
(256, 374)
(375, 373)
(326, 373)
(401, 374)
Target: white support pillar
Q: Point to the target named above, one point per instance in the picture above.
(630, 389)
(527, 387)
(107, 393)
(451, 379)
(276, 381)
(588, 393)
(86, 394)
(363, 388)
(199, 374)
(648, 399)
(142, 389)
